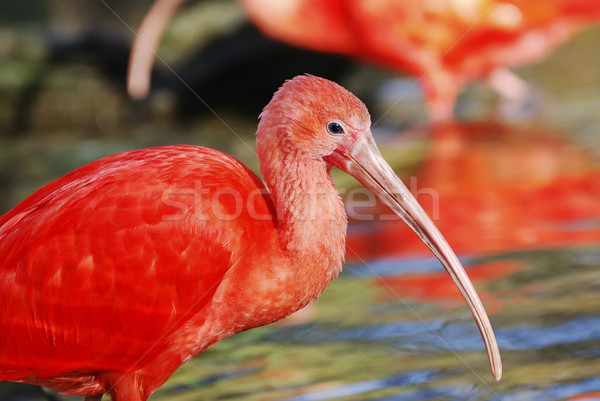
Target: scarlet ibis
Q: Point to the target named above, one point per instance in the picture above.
(445, 43)
(117, 273)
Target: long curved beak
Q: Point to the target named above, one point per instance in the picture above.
(365, 163)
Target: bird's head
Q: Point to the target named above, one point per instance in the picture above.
(311, 117)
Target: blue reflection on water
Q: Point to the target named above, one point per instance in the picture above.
(396, 266)
(456, 335)
(524, 336)
(464, 393)
(557, 392)
(552, 393)
(414, 377)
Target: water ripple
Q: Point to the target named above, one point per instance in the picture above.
(457, 335)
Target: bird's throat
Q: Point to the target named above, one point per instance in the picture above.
(311, 217)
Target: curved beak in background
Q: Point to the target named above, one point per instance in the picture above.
(365, 163)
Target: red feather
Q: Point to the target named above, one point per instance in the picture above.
(86, 261)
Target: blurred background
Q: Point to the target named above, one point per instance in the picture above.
(490, 111)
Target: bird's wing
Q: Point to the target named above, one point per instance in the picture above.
(101, 266)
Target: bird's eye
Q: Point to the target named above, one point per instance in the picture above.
(335, 128)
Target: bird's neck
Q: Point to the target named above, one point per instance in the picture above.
(311, 221)
(310, 212)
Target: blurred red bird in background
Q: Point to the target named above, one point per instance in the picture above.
(445, 44)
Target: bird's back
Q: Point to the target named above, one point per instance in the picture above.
(101, 268)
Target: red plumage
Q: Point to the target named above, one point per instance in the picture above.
(114, 275)
(91, 258)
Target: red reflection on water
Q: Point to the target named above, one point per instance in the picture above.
(435, 286)
(593, 396)
(496, 188)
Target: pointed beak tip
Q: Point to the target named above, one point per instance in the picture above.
(497, 373)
